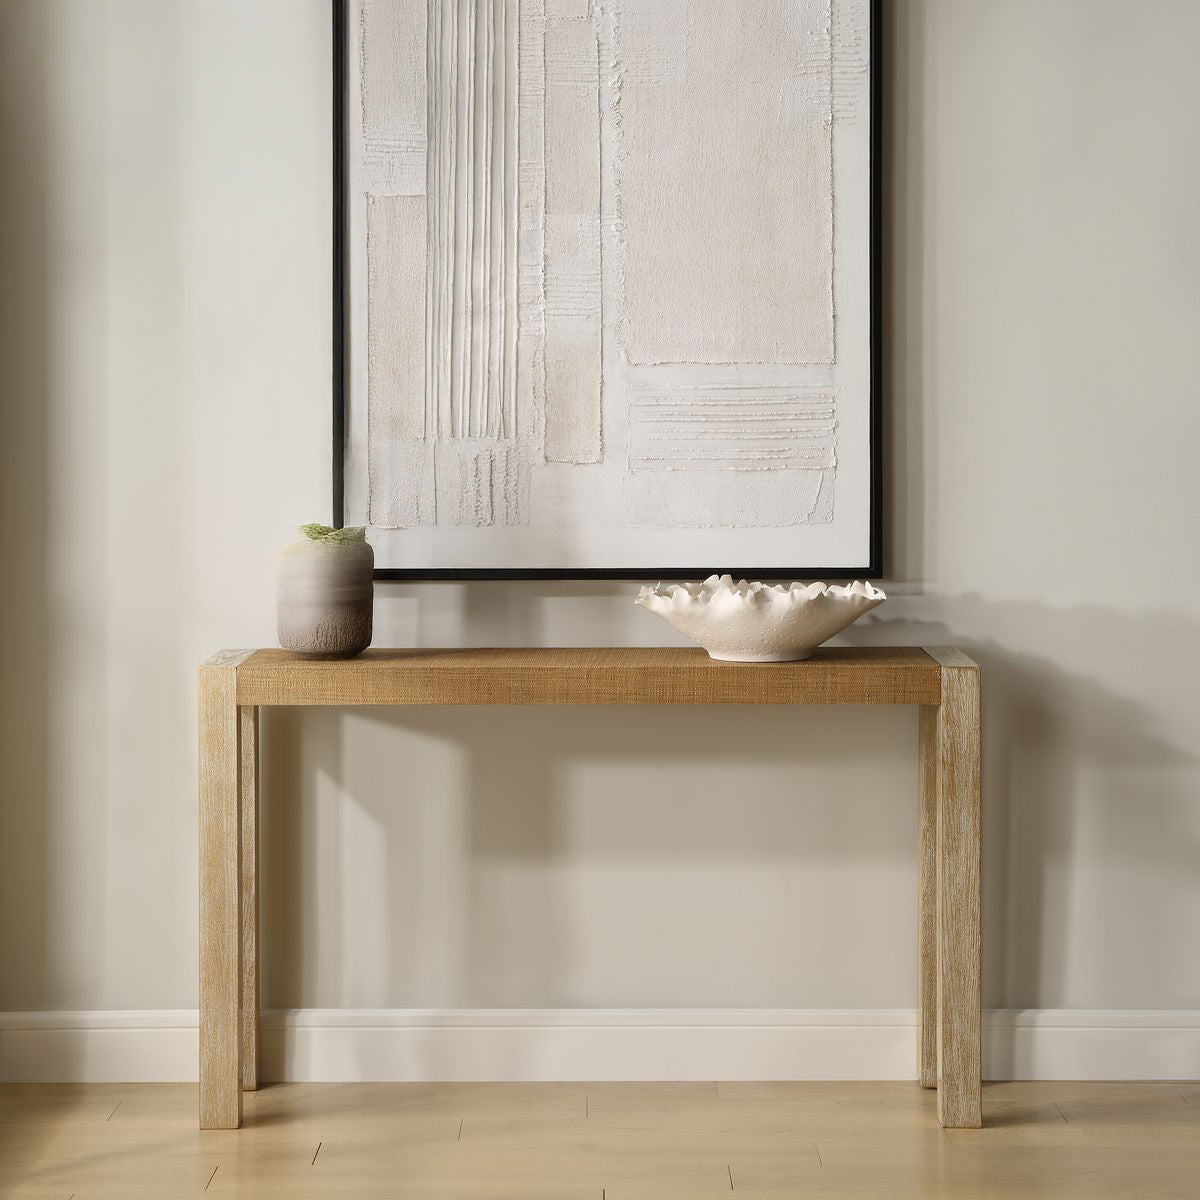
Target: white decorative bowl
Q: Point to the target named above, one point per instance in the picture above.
(757, 622)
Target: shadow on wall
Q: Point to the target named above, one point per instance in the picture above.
(85, 288)
(489, 848)
(531, 857)
(1089, 741)
(26, 607)
(28, 619)
(1066, 756)
(908, 337)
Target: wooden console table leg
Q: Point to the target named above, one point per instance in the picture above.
(958, 908)
(220, 884)
(248, 802)
(927, 900)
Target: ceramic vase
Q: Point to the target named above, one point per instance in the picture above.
(325, 593)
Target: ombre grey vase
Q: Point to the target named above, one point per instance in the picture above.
(325, 593)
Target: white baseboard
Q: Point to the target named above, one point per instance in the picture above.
(350, 1045)
(108, 1046)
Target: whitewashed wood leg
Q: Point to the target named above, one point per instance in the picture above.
(220, 884)
(958, 899)
(927, 899)
(248, 801)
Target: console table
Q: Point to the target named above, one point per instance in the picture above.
(944, 683)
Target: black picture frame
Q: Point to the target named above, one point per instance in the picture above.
(873, 568)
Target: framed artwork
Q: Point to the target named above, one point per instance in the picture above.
(606, 287)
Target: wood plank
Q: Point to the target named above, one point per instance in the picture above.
(958, 903)
(1122, 1140)
(340, 1107)
(248, 800)
(220, 917)
(660, 675)
(927, 899)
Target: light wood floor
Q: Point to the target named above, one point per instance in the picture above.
(602, 1142)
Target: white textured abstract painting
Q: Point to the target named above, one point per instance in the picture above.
(608, 285)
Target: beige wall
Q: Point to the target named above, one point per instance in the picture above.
(165, 371)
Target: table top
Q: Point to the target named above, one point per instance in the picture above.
(624, 675)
